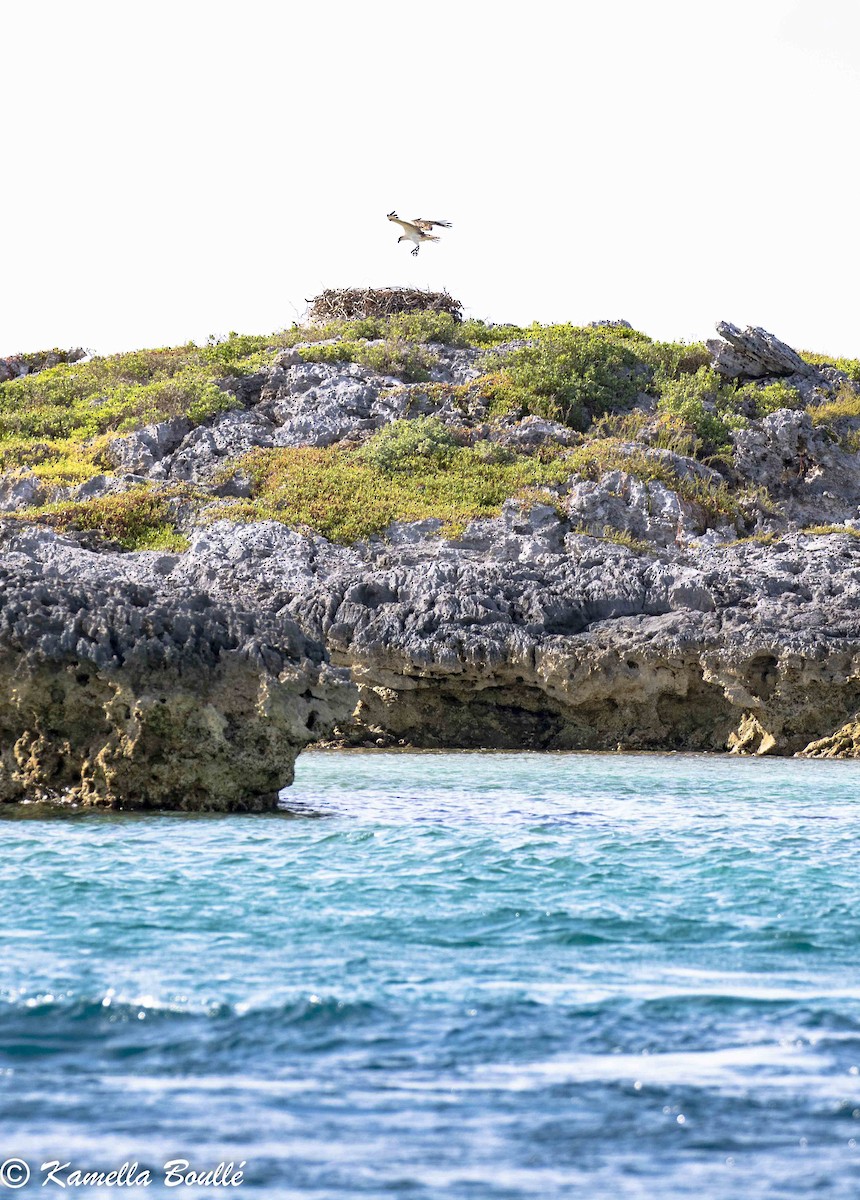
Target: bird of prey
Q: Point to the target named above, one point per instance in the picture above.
(417, 231)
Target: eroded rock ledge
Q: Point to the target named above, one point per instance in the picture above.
(118, 688)
(157, 687)
(524, 634)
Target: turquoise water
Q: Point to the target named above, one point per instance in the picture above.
(457, 975)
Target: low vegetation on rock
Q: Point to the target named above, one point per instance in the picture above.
(138, 519)
(455, 448)
(347, 494)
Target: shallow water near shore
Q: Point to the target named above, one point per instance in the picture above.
(448, 975)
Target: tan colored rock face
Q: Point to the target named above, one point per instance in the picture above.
(224, 742)
(574, 694)
(844, 743)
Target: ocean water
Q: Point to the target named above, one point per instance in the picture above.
(458, 976)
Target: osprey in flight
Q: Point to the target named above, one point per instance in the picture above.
(417, 231)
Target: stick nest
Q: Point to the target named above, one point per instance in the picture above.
(346, 304)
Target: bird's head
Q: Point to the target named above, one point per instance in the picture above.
(392, 216)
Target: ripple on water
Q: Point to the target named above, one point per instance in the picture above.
(466, 975)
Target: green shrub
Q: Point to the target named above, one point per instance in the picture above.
(770, 397)
(479, 334)
(394, 356)
(334, 352)
(224, 353)
(340, 494)
(570, 375)
(492, 452)
(409, 445)
(399, 358)
(421, 327)
(63, 407)
(671, 360)
(705, 404)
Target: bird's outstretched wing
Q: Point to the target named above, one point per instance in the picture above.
(422, 224)
(406, 225)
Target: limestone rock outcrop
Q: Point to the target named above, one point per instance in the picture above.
(810, 477)
(524, 633)
(617, 609)
(121, 689)
(755, 354)
(843, 743)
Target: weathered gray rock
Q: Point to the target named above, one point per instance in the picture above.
(647, 511)
(21, 489)
(203, 453)
(753, 353)
(810, 477)
(521, 533)
(138, 452)
(120, 688)
(529, 433)
(316, 404)
(523, 633)
(106, 485)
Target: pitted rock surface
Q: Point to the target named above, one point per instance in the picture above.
(122, 689)
(524, 633)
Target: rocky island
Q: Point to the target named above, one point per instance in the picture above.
(402, 528)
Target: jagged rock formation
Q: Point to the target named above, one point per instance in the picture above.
(192, 680)
(521, 634)
(526, 634)
(753, 353)
(121, 689)
(810, 478)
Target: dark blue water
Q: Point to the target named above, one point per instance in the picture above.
(462, 976)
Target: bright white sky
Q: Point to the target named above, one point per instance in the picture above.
(176, 168)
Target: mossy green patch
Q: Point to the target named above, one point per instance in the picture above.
(138, 519)
(339, 493)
